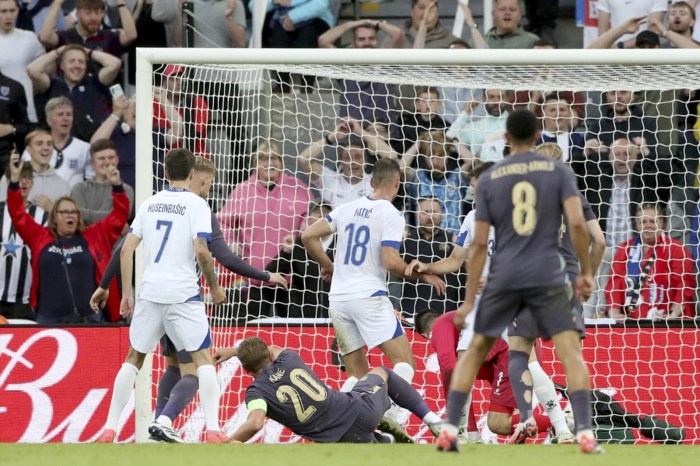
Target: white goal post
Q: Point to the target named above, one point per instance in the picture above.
(517, 70)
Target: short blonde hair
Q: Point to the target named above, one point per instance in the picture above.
(551, 150)
(32, 134)
(203, 164)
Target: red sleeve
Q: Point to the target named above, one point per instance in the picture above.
(444, 337)
(201, 119)
(114, 222)
(30, 231)
(616, 288)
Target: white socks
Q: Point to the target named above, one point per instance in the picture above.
(123, 385)
(544, 389)
(405, 371)
(209, 396)
(431, 418)
(349, 384)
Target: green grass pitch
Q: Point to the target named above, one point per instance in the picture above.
(340, 455)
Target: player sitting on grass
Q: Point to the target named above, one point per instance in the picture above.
(179, 384)
(443, 336)
(286, 390)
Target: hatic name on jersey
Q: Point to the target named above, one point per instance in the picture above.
(363, 212)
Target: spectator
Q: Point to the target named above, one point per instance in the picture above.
(48, 185)
(542, 18)
(435, 179)
(557, 119)
(428, 242)
(365, 101)
(295, 25)
(679, 29)
(15, 273)
(88, 92)
(424, 118)
(350, 181)
(68, 259)
(89, 31)
(484, 137)
(32, 14)
(425, 12)
(71, 156)
(25, 49)
(13, 118)
(308, 293)
(507, 33)
(613, 13)
(262, 211)
(653, 276)
(93, 196)
(120, 127)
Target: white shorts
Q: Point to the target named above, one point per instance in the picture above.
(364, 322)
(467, 333)
(185, 323)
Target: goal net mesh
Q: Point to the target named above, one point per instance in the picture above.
(290, 142)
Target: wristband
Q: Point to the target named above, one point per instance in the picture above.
(327, 138)
(115, 118)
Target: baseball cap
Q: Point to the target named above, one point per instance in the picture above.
(173, 70)
(648, 38)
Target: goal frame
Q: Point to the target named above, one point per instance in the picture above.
(146, 58)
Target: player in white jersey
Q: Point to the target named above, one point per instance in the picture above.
(174, 226)
(370, 231)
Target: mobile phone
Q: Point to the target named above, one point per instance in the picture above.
(116, 91)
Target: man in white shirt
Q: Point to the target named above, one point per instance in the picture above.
(612, 13)
(174, 226)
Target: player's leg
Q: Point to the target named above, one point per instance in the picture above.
(547, 396)
(404, 395)
(555, 317)
(187, 326)
(468, 431)
(145, 330)
(399, 352)
(166, 383)
(496, 311)
(350, 342)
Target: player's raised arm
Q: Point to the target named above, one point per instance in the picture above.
(580, 239)
(311, 237)
(206, 265)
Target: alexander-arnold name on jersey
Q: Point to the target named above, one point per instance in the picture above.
(163, 207)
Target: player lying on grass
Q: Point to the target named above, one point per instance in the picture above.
(286, 390)
(444, 337)
(179, 384)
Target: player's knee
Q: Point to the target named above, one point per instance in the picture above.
(382, 372)
(188, 369)
(135, 358)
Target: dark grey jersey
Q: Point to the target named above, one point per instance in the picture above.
(297, 398)
(567, 247)
(522, 197)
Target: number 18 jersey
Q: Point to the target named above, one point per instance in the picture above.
(168, 223)
(363, 227)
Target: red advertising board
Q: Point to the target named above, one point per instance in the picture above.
(55, 383)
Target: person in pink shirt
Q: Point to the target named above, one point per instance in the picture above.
(260, 212)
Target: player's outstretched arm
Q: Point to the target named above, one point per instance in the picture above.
(579, 238)
(251, 426)
(127, 269)
(312, 242)
(206, 265)
(224, 354)
(392, 261)
(450, 264)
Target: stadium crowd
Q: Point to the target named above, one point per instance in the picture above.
(635, 154)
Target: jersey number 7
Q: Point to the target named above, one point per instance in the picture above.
(168, 226)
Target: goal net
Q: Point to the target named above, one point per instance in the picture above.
(293, 134)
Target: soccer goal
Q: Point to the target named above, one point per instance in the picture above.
(626, 122)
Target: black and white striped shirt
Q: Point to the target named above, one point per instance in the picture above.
(15, 257)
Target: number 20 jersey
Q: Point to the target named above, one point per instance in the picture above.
(363, 227)
(168, 223)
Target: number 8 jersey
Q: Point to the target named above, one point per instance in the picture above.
(168, 223)
(363, 227)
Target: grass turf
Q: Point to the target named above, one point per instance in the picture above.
(339, 455)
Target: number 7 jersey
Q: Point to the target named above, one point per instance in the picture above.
(363, 226)
(168, 223)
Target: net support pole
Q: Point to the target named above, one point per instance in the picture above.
(143, 190)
